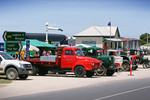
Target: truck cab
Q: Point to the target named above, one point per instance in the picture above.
(13, 68)
(108, 66)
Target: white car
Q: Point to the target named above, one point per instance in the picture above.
(14, 68)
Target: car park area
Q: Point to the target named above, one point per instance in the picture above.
(56, 82)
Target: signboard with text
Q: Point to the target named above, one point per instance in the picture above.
(13, 47)
(14, 36)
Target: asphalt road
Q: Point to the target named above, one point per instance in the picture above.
(134, 89)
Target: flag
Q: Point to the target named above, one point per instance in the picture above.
(109, 23)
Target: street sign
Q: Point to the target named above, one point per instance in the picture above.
(13, 47)
(14, 36)
(1, 46)
(27, 49)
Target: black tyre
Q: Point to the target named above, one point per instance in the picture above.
(11, 74)
(135, 67)
(102, 71)
(79, 71)
(23, 77)
(89, 73)
(34, 70)
(110, 72)
(145, 65)
(126, 66)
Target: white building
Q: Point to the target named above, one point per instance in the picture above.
(96, 35)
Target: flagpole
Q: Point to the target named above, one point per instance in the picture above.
(110, 33)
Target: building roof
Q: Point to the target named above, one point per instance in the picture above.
(124, 39)
(42, 36)
(102, 31)
(131, 39)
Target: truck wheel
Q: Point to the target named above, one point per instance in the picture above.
(89, 73)
(23, 77)
(34, 70)
(126, 66)
(11, 74)
(145, 64)
(102, 71)
(110, 72)
(79, 71)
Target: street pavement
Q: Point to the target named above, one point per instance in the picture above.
(137, 89)
(53, 83)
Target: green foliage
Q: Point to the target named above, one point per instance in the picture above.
(124, 49)
(143, 38)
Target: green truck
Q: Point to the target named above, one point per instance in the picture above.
(108, 67)
(140, 59)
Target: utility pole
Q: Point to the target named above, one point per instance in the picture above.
(147, 38)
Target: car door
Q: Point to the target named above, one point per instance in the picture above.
(68, 59)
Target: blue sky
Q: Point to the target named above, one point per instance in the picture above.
(73, 16)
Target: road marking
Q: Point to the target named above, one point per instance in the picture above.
(122, 93)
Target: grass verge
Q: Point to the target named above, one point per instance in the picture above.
(4, 80)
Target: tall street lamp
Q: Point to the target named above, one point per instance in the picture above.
(50, 28)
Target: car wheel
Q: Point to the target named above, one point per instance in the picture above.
(11, 74)
(102, 71)
(145, 64)
(126, 66)
(79, 71)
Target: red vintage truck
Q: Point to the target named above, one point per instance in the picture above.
(67, 59)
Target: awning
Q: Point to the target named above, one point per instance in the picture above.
(38, 43)
(113, 39)
(82, 46)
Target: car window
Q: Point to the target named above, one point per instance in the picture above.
(91, 52)
(69, 52)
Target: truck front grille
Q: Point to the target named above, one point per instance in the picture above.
(27, 66)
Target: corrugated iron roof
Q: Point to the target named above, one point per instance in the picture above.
(98, 31)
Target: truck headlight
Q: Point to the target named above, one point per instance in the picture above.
(93, 64)
(110, 59)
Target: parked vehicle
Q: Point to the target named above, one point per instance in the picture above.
(67, 59)
(108, 66)
(126, 59)
(118, 59)
(13, 68)
(140, 57)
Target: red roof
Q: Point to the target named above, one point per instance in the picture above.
(125, 39)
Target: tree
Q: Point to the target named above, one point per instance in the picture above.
(143, 38)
